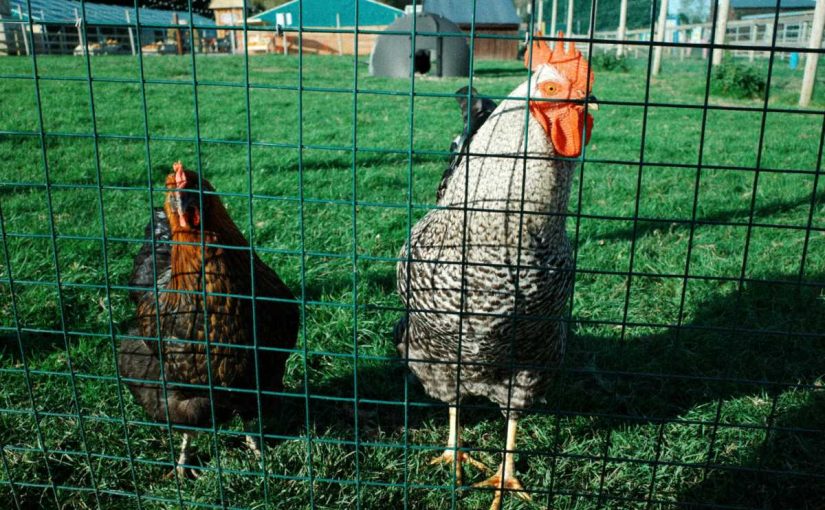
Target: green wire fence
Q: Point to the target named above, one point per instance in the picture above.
(697, 335)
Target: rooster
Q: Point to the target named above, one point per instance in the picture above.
(177, 316)
(486, 276)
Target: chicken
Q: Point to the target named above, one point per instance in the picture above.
(486, 277)
(474, 118)
(176, 325)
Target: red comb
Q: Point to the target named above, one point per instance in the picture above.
(571, 63)
(180, 175)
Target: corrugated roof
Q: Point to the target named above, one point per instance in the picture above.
(488, 12)
(324, 13)
(64, 11)
(771, 4)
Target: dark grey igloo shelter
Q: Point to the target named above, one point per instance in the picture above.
(435, 55)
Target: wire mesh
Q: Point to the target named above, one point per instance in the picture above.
(692, 374)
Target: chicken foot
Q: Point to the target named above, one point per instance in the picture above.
(452, 454)
(504, 479)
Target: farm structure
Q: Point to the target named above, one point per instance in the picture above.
(55, 28)
(435, 55)
(328, 26)
(494, 18)
(230, 13)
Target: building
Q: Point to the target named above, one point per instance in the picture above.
(325, 14)
(230, 13)
(492, 17)
(108, 28)
(747, 8)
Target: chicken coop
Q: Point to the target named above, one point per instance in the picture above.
(108, 32)
(592, 277)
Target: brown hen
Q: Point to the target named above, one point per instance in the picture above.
(183, 347)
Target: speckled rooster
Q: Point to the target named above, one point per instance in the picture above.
(177, 317)
(490, 271)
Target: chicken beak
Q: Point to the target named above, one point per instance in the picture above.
(592, 103)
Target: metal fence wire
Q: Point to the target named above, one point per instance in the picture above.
(695, 344)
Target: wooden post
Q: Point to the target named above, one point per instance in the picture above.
(569, 18)
(178, 35)
(338, 26)
(752, 52)
(554, 17)
(61, 37)
(44, 35)
(721, 30)
(131, 35)
(81, 39)
(540, 18)
(769, 28)
(660, 37)
(26, 34)
(621, 33)
(811, 59)
(232, 44)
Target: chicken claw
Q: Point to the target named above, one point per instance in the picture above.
(458, 458)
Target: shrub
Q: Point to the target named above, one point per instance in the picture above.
(609, 62)
(737, 80)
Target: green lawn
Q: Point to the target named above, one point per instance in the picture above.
(644, 413)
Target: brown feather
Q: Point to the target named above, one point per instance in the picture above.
(224, 273)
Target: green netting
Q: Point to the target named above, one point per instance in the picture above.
(692, 376)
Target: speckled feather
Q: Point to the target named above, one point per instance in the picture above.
(493, 347)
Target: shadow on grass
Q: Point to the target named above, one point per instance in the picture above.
(785, 472)
(777, 207)
(31, 342)
(764, 338)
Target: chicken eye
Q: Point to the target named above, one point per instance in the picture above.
(550, 88)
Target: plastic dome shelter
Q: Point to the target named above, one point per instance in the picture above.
(435, 55)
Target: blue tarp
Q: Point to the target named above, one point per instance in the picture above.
(326, 13)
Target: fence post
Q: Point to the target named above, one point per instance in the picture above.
(231, 33)
(621, 33)
(338, 27)
(131, 35)
(660, 36)
(26, 33)
(812, 58)
(569, 18)
(554, 17)
(81, 40)
(752, 52)
(721, 30)
(44, 34)
(540, 17)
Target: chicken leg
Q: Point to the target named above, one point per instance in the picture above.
(505, 479)
(452, 454)
(181, 466)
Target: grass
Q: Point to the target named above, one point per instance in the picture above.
(631, 421)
